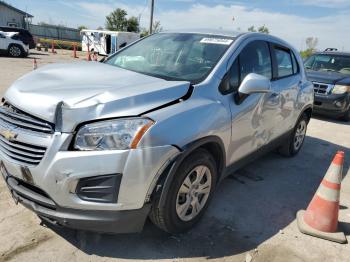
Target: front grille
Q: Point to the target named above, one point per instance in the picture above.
(18, 119)
(12, 119)
(22, 152)
(322, 89)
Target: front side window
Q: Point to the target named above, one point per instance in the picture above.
(174, 56)
(284, 62)
(255, 58)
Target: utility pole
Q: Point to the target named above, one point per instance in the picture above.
(151, 18)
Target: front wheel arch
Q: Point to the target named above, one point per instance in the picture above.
(162, 210)
(212, 144)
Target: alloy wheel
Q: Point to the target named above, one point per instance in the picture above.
(193, 193)
(300, 135)
(15, 51)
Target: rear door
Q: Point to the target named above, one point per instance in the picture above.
(285, 83)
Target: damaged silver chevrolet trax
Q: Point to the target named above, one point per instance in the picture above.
(152, 130)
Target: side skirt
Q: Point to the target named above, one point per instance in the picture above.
(229, 170)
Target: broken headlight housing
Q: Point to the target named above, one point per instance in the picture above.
(118, 134)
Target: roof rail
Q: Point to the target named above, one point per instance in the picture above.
(330, 49)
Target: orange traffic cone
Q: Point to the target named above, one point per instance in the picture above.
(88, 53)
(75, 50)
(53, 47)
(321, 216)
(35, 65)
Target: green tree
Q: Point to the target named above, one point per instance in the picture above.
(262, 29)
(311, 44)
(117, 21)
(133, 24)
(251, 29)
(81, 27)
(156, 28)
(306, 53)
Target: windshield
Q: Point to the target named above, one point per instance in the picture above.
(171, 56)
(329, 63)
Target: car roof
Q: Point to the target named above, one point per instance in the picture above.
(333, 53)
(11, 28)
(206, 31)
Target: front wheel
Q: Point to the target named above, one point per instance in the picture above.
(293, 144)
(189, 195)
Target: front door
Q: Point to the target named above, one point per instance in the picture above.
(252, 116)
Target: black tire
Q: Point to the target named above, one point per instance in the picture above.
(15, 51)
(346, 117)
(167, 218)
(289, 148)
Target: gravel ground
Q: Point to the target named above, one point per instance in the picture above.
(251, 217)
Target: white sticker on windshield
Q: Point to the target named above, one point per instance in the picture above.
(217, 41)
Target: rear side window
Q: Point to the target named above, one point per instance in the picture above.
(255, 58)
(284, 62)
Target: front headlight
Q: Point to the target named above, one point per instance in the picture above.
(340, 89)
(118, 134)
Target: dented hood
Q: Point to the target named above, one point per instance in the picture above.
(90, 90)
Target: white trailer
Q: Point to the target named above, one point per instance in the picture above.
(106, 42)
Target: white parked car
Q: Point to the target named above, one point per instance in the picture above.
(11, 45)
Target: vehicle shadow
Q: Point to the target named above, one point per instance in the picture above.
(37, 53)
(330, 119)
(247, 209)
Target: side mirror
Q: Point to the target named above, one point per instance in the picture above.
(254, 83)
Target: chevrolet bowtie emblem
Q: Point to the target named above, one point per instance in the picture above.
(9, 135)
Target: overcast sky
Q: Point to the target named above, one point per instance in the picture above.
(329, 20)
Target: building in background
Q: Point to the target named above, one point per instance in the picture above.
(12, 16)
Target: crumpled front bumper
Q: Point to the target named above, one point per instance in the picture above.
(125, 221)
(49, 189)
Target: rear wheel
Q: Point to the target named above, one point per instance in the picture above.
(293, 144)
(15, 51)
(189, 195)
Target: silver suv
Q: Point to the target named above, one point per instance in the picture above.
(152, 130)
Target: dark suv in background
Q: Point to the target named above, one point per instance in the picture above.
(23, 35)
(330, 73)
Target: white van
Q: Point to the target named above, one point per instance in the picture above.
(106, 42)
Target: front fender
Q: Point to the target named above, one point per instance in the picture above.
(188, 121)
